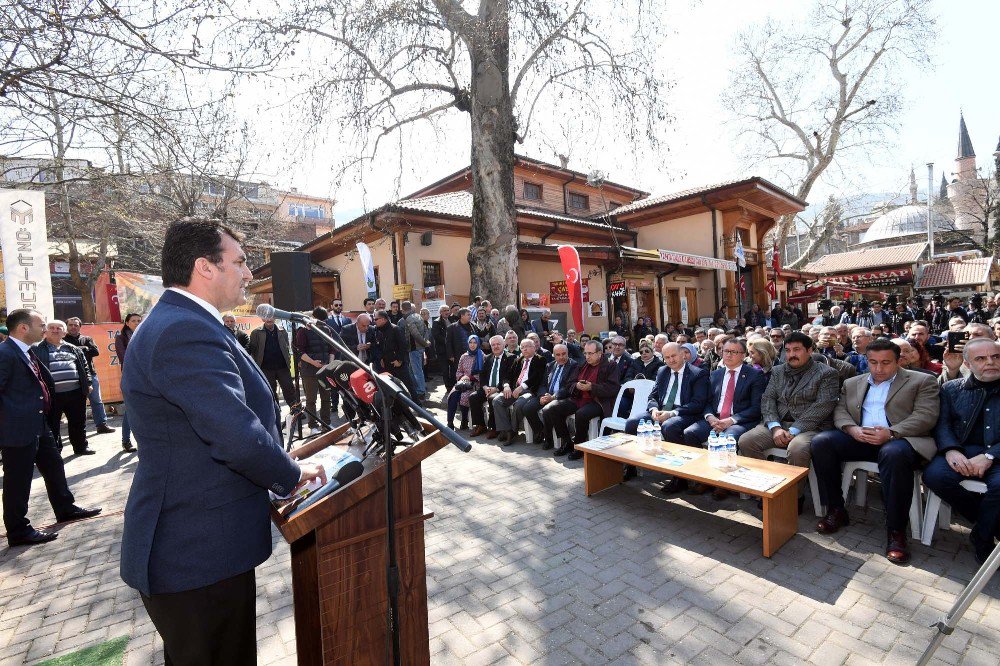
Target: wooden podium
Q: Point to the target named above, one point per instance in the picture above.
(339, 560)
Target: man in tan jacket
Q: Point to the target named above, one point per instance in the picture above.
(884, 416)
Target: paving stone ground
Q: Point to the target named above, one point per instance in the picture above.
(523, 568)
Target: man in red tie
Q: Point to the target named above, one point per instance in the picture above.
(734, 406)
(524, 378)
(26, 389)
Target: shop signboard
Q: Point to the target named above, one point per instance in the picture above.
(559, 294)
(875, 278)
(617, 289)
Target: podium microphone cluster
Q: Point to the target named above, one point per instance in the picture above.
(265, 311)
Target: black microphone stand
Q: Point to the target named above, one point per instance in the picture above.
(389, 390)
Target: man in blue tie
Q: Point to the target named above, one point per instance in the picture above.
(560, 376)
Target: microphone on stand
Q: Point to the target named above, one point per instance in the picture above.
(265, 311)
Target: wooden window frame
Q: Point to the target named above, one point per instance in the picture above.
(439, 264)
(525, 191)
(584, 197)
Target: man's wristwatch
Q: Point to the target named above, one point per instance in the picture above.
(989, 456)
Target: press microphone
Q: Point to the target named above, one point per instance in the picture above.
(265, 311)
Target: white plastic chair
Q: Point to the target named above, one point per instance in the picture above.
(863, 468)
(938, 513)
(593, 429)
(642, 388)
(818, 508)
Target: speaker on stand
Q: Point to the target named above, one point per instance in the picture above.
(291, 289)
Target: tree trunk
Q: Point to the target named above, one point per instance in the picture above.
(493, 251)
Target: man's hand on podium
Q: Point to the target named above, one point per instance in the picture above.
(308, 472)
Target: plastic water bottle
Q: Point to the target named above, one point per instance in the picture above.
(730, 453)
(641, 436)
(648, 439)
(713, 449)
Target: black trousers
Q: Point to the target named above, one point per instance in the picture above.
(555, 415)
(896, 462)
(74, 405)
(282, 377)
(18, 468)
(450, 368)
(476, 402)
(211, 625)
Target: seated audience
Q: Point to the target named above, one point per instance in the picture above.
(525, 378)
(967, 444)
(560, 378)
(496, 368)
(884, 416)
(466, 382)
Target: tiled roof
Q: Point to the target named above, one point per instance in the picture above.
(867, 257)
(695, 191)
(459, 204)
(955, 273)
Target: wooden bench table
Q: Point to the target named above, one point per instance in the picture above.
(603, 469)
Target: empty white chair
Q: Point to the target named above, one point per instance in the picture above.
(938, 513)
(863, 468)
(642, 388)
(778, 452)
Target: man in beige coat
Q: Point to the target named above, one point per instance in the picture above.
(885, 416)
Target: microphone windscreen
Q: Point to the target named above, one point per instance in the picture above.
(358, 380)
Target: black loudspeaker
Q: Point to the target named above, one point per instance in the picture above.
(426, 238)
(291, 281)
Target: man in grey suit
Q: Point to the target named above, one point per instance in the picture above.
(884, 416)
(196, 520)
(798, 403)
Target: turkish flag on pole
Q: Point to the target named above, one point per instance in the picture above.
(570, 259)
(743, 286)
(776, 261)
(772, 290)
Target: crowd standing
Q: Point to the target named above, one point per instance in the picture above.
(905, 386)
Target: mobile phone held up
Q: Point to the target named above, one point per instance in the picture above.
(957, 340)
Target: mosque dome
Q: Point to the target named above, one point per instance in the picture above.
(904, 221)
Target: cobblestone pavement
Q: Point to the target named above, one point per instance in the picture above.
(524, 568)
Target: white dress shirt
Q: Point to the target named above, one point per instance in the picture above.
(211, 309)
(725, 385)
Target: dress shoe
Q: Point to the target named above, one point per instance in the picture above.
(77, 513)
(512, 438)
(698, 489)
(546, 445)
(104, 429)
(720, 494)
(982, 548)
(833, 521)
(31, 538)
(897, 550)
(561, 451)
(491, 434)
(503, 437)
(574, 455)
(84, 452)
(477, 431)
(631, 471)
(128, 447)
(673, 485)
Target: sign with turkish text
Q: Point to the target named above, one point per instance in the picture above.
(559, 294)
(402, 292)
(617, 289)
(25, 248)
(697, 261)
(875, 278)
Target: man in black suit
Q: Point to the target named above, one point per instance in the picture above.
(439, 336)
(229, 320)
(69, 370)
(394, 353)
(26, 390)
(361, 337)
(526, 375)
(620, 357)
(337, 319)
(496, 369)
(560, 377)
(457, 343)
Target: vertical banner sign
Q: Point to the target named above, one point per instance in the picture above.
(25, 248)
(368, 268)
(570, 259)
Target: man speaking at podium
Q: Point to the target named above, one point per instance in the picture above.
(196, 521)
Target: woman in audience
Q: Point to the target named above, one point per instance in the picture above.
(132, 320)
(523, 325)
(762, 355)
(466, 382)
(647, 364)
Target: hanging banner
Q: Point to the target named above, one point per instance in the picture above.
(367, 267)
(559, 294)
(570, 259)
(534, 300)
(772, 289)
(25, 248)
(685, 313)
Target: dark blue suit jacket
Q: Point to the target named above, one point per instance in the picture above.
(750, 385)
(694, 391)
(22, 417)
(209, 449)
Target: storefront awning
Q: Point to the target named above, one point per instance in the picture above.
(679, 258)
(819, 291)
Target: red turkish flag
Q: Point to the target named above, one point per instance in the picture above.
(570, 259)
(772, 290)
(776, 261)
(113, 306)
(743, 287)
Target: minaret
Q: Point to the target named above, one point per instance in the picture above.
(943, 193)
(966, 160)
(913, 187)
